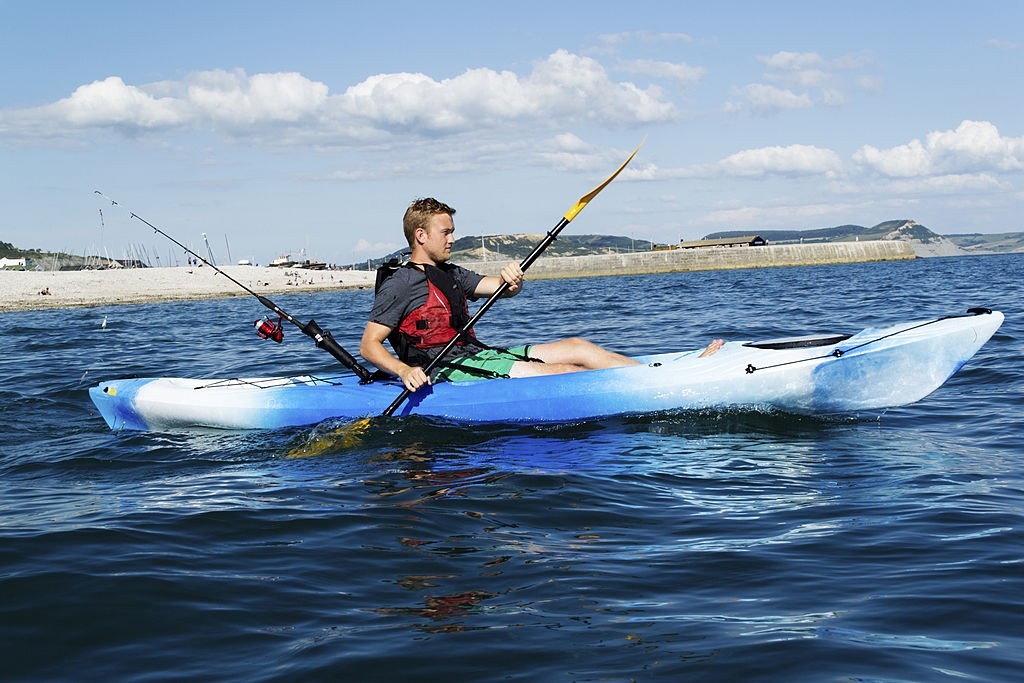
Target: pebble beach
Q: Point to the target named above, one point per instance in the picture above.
(34, 290)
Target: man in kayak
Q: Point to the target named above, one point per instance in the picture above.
(421, 306)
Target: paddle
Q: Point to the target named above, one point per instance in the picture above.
(527, 262)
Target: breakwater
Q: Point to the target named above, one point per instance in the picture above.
(708, 258)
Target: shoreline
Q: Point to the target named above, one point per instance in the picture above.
(23, 290)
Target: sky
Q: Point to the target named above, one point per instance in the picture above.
(308, 127)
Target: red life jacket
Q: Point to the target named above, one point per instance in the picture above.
(432, 325)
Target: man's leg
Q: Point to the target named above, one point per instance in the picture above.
(575, 353)
(581, 353)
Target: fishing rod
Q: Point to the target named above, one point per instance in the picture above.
(267, 329)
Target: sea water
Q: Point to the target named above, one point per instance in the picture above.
(884, 546)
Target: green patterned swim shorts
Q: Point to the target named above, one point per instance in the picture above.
(484, 364)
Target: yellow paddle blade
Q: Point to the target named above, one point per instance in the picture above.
(571, 213)
(342, 438)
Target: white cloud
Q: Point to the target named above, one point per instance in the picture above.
(767, 98)
(953, 183)
(972, 146)
(613, 39)
(237, 99)
(808, 78)
(568, 152)
(791, 61)
(111, 102)
(797, 69)
(572, 143)
(905, 161)
(773, 216)
(682, 75)
(801, 80)
(791, 160)
(562, 88)
(365, 246)
(1003, 44)
(218, 98)
(870, 84)
(832, 98)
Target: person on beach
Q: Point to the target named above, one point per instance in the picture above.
(422, 305)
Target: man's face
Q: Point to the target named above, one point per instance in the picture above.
(438, 237)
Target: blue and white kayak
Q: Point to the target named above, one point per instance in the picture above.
(818, 374)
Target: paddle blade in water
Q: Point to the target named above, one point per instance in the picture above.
(340, 439)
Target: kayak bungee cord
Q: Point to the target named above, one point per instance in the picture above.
(839, 353)
(265, 328)
(272, 382)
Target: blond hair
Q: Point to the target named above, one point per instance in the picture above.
(418, 216)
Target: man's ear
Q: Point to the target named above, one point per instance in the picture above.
(421, 235)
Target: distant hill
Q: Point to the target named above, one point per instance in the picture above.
(924, 241)
(517, 247)
(520, 246)
(897, 229)
(999, 243)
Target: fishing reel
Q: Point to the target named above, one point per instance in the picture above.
(267, 329)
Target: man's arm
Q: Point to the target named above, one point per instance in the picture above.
(372, 349)
(511, 273)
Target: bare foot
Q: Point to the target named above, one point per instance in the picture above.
(712, 348)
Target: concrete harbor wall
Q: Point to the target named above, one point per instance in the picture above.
(708, 258)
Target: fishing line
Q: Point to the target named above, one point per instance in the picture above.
(267, 329)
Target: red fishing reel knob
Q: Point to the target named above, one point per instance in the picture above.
(266, 329)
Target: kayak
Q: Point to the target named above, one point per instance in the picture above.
(873, 369)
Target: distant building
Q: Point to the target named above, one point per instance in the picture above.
(12, 262)
(741, 241)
